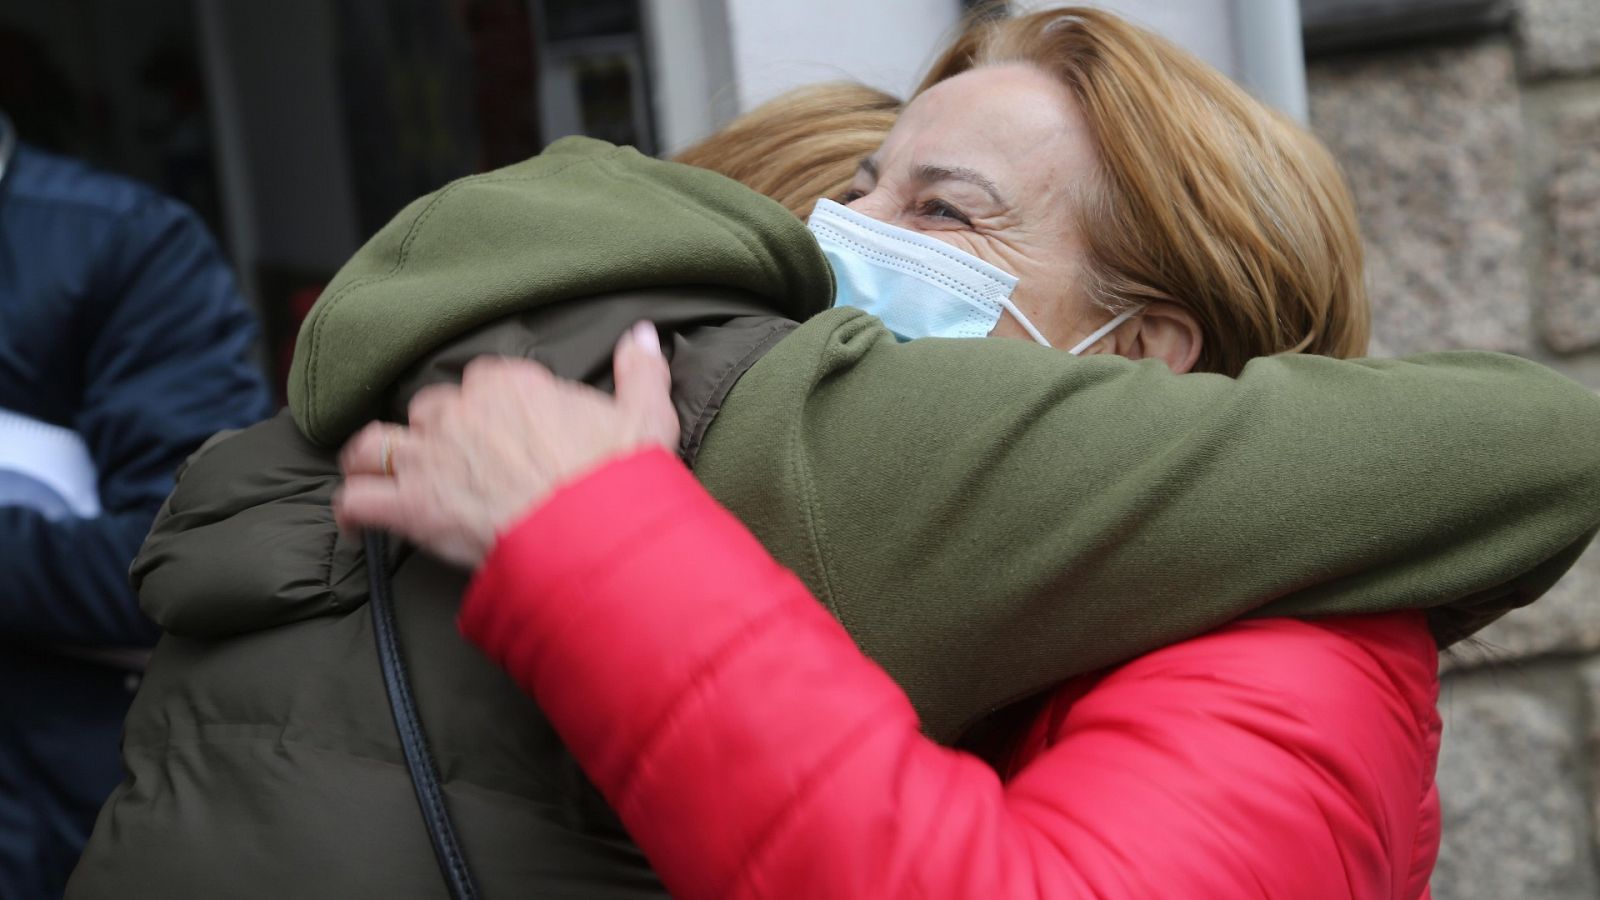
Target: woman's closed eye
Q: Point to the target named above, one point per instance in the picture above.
(939, 209)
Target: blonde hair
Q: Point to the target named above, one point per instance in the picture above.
(801, 145)
(1206, 197)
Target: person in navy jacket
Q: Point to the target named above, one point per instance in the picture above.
(124, 344)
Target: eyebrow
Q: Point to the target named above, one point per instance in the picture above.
(927, 174)
(931, 174)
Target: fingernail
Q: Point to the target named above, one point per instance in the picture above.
(644, 334)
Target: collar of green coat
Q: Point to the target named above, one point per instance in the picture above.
(582, 218)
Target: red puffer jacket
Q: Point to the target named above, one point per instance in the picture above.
(754, 752)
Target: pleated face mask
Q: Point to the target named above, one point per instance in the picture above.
(918, 286)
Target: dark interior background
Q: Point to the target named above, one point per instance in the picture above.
(296, 128)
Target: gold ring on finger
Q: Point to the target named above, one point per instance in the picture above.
(386, 454)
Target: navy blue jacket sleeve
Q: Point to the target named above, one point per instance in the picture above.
(168, 363)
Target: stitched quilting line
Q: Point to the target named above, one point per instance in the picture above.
(808, 788)
(332, 601)
(811, 514)
(529, 794)
(711, 666)
(412, 235)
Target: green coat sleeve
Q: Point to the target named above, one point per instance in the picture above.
(989, 518)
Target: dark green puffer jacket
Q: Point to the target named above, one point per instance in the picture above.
(987, 517)
(261, 753)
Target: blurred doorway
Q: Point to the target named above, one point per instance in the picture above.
(297, 128)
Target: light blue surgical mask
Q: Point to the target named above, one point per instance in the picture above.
(918, 286)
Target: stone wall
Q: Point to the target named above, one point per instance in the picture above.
(1476, 168)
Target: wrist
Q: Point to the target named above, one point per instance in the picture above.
(563, 504)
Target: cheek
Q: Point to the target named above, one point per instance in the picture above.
(1051, 295)
(1010, 328)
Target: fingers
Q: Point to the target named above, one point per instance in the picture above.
(429, 403)
(499, 372)
(644, 383)
(369, 502)
(375, 449)
(363, 454)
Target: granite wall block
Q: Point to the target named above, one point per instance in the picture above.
(1569, 308)
(1430, 140)
(1559, 37)
(1565, 620)
(1516, 821)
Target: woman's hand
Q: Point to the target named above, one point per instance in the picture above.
(478, 457)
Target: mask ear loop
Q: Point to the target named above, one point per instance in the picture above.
(1105, 329)
(1023, 321)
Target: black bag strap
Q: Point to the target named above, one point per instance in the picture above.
(413, 742)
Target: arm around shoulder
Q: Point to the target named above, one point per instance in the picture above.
(959, 502)
(753, 751)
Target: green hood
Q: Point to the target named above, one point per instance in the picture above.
(528, 235)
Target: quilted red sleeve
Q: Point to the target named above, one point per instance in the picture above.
(752, 750)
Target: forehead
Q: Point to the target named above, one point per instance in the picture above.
(1015, 123)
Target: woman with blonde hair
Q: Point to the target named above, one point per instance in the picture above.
(802, 145)
(1071, 181)
(985, 520)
